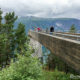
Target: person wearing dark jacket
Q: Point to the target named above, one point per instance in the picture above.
(52, 29)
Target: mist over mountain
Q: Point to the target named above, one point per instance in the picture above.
(58, 23)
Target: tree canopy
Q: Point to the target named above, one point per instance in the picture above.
(10, 39)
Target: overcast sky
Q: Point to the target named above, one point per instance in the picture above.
(43, 8)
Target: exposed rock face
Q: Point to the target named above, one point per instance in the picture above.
(38, 48)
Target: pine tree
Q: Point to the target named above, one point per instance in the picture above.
(0, 16)
(20, 37)
(3, 40)
(10, 18)
(11, 39)
(72, 29)
(0, 19)
(7, 33)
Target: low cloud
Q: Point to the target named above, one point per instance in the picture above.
(43, 8)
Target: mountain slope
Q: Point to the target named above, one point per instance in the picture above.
(58, 23)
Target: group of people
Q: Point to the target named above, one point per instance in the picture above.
(38, 29)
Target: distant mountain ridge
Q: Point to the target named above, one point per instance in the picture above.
(58, 23)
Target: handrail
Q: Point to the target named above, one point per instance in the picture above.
(69, 36)
(73, 36)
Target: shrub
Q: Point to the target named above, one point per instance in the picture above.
(26, 68)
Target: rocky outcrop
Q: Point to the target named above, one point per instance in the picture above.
(37, 47)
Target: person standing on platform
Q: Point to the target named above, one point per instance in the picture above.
(51, 30)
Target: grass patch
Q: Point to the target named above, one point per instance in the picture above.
(55, 75)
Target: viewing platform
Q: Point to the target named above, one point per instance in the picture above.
(65, 46)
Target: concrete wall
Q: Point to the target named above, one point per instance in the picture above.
(68, 50)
